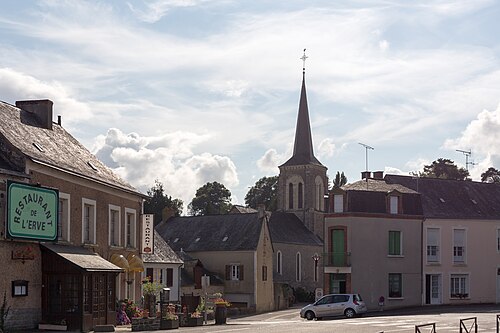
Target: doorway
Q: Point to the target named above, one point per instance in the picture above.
(433, 289)
(338, 284)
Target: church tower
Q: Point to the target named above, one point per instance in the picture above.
(302, 180)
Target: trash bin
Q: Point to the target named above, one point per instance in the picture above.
(220, 315)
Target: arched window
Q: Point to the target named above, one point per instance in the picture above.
(301, 195)
(319, 200)
(290, 196)
(279, 268)
(298, 268)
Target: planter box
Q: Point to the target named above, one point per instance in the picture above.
(52, 327)
(195, 322)
(169, 324)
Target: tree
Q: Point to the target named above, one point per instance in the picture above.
(263, 192)
(158, 200)
(491, 175)
(444, 168)
(340, 180)
(211, 198)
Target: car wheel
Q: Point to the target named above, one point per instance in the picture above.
(349, 313)
(310, 315)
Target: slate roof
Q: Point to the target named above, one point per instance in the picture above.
(235, 209)
(303, 147)
(288, 228)
(163, 253)
(60, 149)
(454, 199)
(376, 185)
(207, 233)
(83, 258)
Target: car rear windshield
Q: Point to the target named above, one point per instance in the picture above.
(357, 298)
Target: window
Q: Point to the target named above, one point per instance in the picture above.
(432, 245)
(498, 240)
(130, 222)
(394, 200)
(88, 221)
(170, 277)
(234, 272)
(298, 267)
(290, 196)
(459, 245)
(395, 285)
(63, 219)
(395, 243)
(338, 203)
(19, 288)
(114, 225)
(300, 196)
(264, 273)
(328, 299)
(279, 258)
(149, 274)
(459, 286)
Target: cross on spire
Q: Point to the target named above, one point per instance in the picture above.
(304, 57)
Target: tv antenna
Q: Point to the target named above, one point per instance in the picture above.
(366, 156)
(467, 153)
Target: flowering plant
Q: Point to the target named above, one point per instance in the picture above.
(170, 315)
(195, 314)
(220, 301)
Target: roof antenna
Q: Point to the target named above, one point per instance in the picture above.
(366, 159)
(304, 57)
(467, 155)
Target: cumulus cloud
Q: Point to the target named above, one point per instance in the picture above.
(170, 158)
(388, 170)
(326, 148)
(481, 136)
(270, 161)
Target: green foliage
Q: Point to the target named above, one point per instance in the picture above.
(158, 200)
(151, 288)
(4, 312)
(491, 175)
(263, 192)
(444, 168)
(210, 199)
(302, 295)
(340, 180)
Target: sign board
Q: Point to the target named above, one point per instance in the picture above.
(147, 233)
(318, 293)
(31, 211)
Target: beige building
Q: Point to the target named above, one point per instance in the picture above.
(461, 240)
(372, 243)
(235, 247)
(94, 248)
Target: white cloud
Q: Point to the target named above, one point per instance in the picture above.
(326, 148)
(155, 10)
(383, 45)
(394, 171)
(168, 157)
(270, 161)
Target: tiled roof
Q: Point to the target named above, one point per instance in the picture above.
(56, 147)
(288, 228)
(457, 199)
(241, 209)
(228, 232)
(162, 252)
(376, 185)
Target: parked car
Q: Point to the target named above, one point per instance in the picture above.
(349, 305)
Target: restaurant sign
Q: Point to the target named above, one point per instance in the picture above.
(147, 233)
(31, 211)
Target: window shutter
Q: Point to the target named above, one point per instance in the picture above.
(228, 272)
(241, 272)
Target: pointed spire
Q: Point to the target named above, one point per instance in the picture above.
(303, 147)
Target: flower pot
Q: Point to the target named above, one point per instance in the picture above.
(220, 315)
(195, 321)
(169, 324)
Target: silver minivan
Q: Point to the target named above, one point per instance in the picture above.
(348, 305)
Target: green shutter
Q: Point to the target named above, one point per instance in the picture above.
(394, 243)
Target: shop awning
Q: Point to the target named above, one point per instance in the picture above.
(135, 263)
(83, 258)
(120, 261)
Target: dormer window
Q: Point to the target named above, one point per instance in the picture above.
(338, 203)
(394, 204)
(92, 166)
(38, 146)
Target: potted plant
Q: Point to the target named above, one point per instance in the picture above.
(150, 291)
(195, 319)
(221, 306)
(170, 320)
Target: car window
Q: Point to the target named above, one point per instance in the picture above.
(325, 300)
(357, 297)
(340, 298)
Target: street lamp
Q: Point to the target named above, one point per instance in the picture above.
(316, 257)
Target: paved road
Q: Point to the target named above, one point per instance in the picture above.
(446, 318)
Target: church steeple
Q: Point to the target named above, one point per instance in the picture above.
(303, 152)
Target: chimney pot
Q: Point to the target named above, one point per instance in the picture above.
(59, 120)
(41, 108)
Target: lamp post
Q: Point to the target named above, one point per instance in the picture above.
(316, 257)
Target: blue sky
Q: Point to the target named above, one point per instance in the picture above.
(191, 91)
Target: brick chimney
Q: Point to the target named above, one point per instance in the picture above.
(366, 174)
(41, 108)
(167, 213)
(378, 175)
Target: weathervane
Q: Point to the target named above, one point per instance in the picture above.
(304, 57)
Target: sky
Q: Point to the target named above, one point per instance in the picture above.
(193, 91)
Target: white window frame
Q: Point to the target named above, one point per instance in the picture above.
(92, 221)
(133, 225)
(459, 259)
(437, 256)
(338, 203)
(117, 226)
(66, 224)
(298, 267)
(463, 285)
(279, 262)
(235, 272)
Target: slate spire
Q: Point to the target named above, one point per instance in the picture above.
(303, 147)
